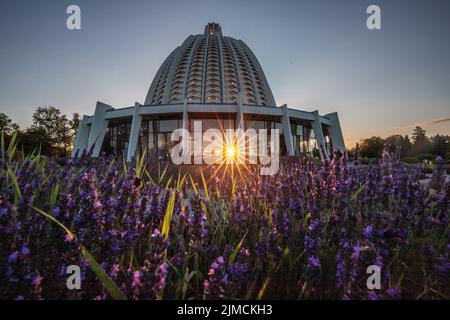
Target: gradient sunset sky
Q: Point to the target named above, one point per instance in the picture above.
(316, 54)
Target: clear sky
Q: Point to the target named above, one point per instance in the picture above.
(316, 54)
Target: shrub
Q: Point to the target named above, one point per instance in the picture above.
(447, 156)
(411, 160)
(426, 156)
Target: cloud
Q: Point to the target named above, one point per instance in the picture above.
(425, 123)
(439, 121)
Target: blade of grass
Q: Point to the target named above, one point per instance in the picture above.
(149, 177)
(54, 195)
(355, 196)
(269, 275)
(107, 282)
(168, 182)
(13, 177)
(193, 184)
(140, 165)
(205, 186)
(12, 146)
(161, 177)
(2, 145)
(238, 247)
(168, 216)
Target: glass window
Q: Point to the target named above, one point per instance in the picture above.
(114, 139)
(228, 124)
(294, 142)
(312, 141)
(192, 124)
(121, 129)
(151, 141)
(161, 141)
(168, 125)
(257, 125)
(221, 124)
(212, 124)
(277, 125)
(169, 143)
(305, 132)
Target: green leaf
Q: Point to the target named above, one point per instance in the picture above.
(107, 282)
(54, 195)
(45, 214)
(2, 145)
(168, 215)
(12, 146)
(355, 196)
(205, 186)
(193, 184)
(168, 182)
(16, 185)
(161, 177)
(149, 177)
(140, 165)
(238, 247)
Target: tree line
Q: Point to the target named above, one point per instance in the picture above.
(51, 133)
(415, 149)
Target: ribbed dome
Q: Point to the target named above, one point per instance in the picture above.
(210, 68)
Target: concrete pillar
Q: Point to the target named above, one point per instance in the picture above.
(317, 127)
(186, 139)
(240, 112)
(185, 115)
(287, 130)
(81, 140)
(134, 132)
(98, 128)
(337, 138)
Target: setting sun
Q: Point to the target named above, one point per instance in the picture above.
(231, 151)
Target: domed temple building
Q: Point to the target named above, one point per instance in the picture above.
(214, 79)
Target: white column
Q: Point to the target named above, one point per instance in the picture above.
(98, 128)
(240, 137)
(337, 138)
(186, 139)
(317, 127)
(81, 140)
(287, 130)
(134, 133)
(240, 112)
(185, 115)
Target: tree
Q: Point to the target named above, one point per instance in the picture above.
(6, 125)
(372, 147)
(421, 143)
(441, 144)
(396, 142)
(47, 118)
(75, 122)
(406, 146)
(419, 135)
(57, 129)
(35, 140)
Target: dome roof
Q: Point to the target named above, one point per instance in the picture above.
(210, 68)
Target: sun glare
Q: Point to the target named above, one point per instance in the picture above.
(231, 152)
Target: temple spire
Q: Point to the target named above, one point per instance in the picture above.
(212, 27)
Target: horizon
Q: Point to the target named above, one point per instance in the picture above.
(315, 55)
